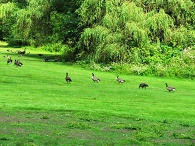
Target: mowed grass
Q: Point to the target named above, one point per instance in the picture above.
(37, 106)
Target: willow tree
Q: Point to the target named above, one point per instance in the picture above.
(158, 24)
(117, 30)
(102, 42)
(126, 27)
(40, 22)
(91, 11)
(22, 28)
(181, 11)
(7, 18)
(133, 19)
(33, 22)
(30, 23)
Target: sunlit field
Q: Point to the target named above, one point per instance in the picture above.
(38, 107)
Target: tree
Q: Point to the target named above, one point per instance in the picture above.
(117, 30)
(40, 22)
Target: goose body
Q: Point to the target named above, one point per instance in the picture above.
(67, 78)
(6, 56)
(120, 80)
(169, 88)
(143, 85)
(95, 79)
(9, 60)
(46, 59)
(18, 63)
(22, 52)
(40, 54)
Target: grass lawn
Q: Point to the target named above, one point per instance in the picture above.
(37, 106)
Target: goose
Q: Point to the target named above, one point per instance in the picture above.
(23, 52)
(95, 79)
(18, 63)
(46, 59)
(6, 56)
(56, 59)
(9, 60)
(67, 78)
(143, 85)
(120, 80)
(8, 50)
(169, 88)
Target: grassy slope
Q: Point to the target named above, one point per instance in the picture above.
(37, 92)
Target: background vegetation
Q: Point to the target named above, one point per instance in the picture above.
(141, 37)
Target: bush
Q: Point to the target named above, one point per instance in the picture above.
(55, 47)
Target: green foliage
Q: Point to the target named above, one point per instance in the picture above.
(158, 24)
(181, 37)
(91, 11)
(136, 27)
(24, 22)
(6, 9)
(57, 47)
(38, 22)
(7, 19)
(146, 33)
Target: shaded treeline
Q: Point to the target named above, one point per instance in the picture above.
(156, 36)
(39, 22)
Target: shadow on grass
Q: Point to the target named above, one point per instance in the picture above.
(46, 57)
(5, 45)
(8, 52)
(39, 56)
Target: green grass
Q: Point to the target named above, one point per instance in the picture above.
(37, 106)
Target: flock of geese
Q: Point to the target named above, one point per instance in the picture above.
(68, 79)
(142, 85)
(16, 62)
